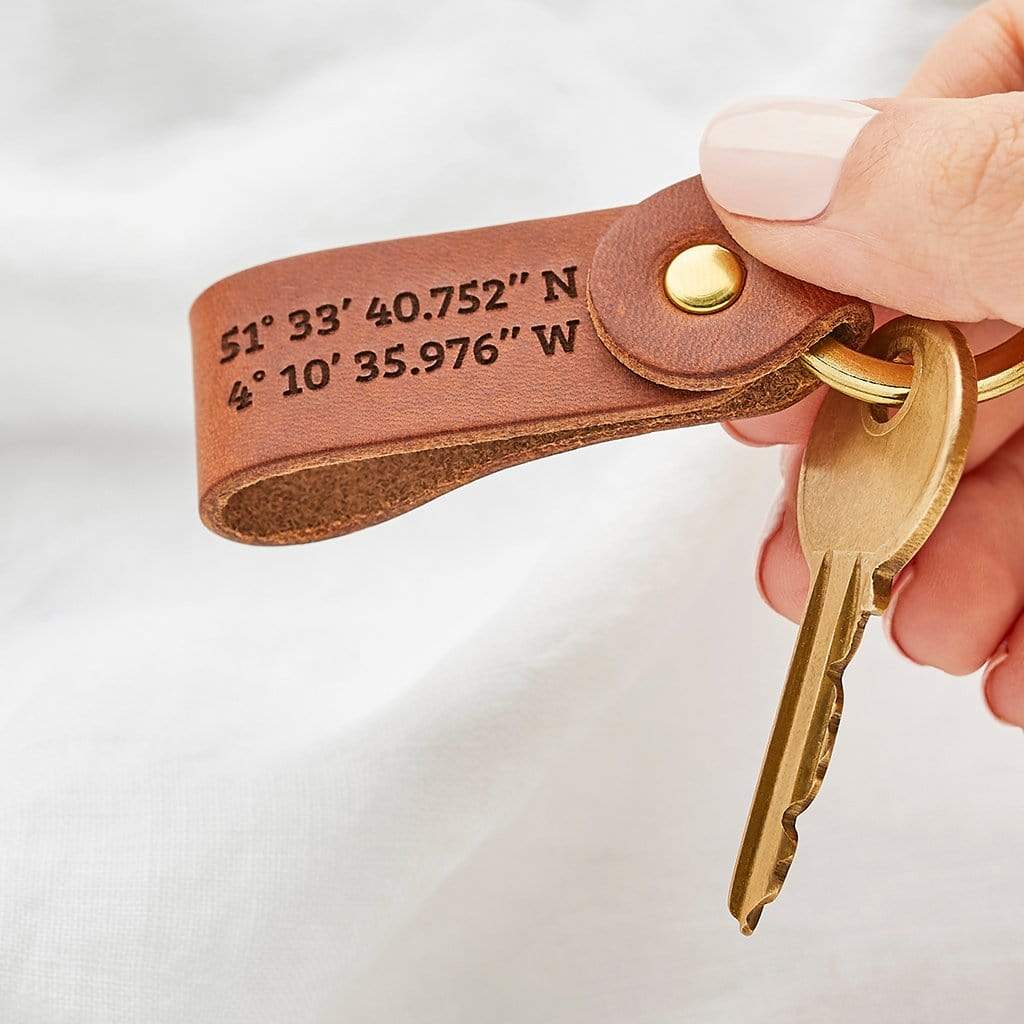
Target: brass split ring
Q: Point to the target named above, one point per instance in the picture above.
(1000, 370)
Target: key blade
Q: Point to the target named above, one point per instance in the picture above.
(803, 735)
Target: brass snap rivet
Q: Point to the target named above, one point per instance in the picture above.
(704, 278)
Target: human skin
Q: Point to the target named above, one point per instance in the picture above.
(916, 204)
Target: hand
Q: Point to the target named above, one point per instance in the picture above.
(916, 204)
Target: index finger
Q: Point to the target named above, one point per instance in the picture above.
(979, 56)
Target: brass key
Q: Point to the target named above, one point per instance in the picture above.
(871, 491)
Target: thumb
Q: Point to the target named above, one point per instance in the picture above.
(917, 204)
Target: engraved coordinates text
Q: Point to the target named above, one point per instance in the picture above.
(384, 362)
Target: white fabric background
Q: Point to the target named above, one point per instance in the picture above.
(490, 761)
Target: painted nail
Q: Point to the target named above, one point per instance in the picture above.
(772, 526)
(730, 427)
(779, 159)
(902, 581)
(1002, 652)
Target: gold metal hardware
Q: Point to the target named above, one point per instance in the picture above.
(704, 278)
(1000, 370)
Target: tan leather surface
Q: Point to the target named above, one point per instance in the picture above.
(287, 456)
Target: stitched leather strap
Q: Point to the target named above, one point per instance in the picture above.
(338, 389)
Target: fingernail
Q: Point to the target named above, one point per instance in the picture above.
(1001, 654)
(772, 526)
(737, 435)
(902, 581)
(779, 159)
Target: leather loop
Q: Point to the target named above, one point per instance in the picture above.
(774, 319)
(338, 389)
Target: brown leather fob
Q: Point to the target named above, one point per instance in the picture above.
(338, 389)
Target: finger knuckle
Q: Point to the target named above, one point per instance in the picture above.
(983, 158)
(977, 197)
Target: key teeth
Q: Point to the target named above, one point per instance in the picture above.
(749, 921)
(795, 809)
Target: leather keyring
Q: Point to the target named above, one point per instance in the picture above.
(338, 389)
